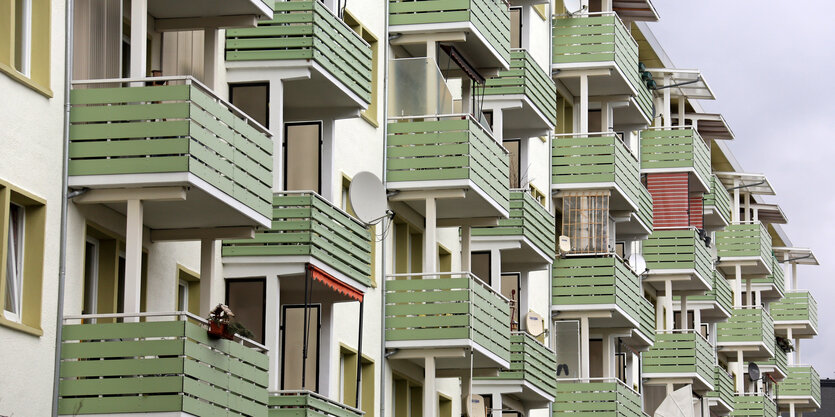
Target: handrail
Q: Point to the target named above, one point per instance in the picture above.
(189, 81)
(470, 116)
(526, 334)
(603, 379)
(177, 314)
(600, 134)
(683, 331)
(436, 275)
(317, 396)
(319, 196)
(600, 14)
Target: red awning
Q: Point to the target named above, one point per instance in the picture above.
(333, 283)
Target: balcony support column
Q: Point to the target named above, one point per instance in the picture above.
(496, 270)
(496, 404)
(584, 104)
(606, 116)
(666, 109)
(740, 373)
(749, 295)
(797, 351)
(791, 409)
(466, 251)
(210, 57)
(747, 207)
(584, 347)
(208, 271)
(430, 246)
(735, 211)
(608, 355)
(668, 305)
(430, 401)
(681, 102)
(271, 333)
(133, 258)
(498, 125)
(697, 320)
(684, 312)
(794, 276)
(737, 284)
(138, 38)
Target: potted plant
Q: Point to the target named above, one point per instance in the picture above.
(219, 319)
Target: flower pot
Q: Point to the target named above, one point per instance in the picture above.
(218, 330)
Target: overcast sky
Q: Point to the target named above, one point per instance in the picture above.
(770, 65)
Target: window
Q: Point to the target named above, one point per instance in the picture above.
(91, 276)
(408, 248)
(513, 147)
(585, 220)
(300, 369)
(182, 295)
(21, 259)
(408, 397)
(511, 285)
(444, 259)
(370, 114)
(252, 99)
(348, 381)
(303, 156)
(247, 299)
(515, 27)
(25, 42)
(538, 195)
(480, 266)
(188, 290)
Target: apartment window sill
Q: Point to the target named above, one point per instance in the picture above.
(20, 327)
(28, 82)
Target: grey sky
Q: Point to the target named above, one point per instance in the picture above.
(770, 66)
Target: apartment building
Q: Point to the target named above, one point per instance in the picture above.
(566, 232)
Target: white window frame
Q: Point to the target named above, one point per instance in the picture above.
(26, 39)
(94, 291)
(182, 290)
(15, 275)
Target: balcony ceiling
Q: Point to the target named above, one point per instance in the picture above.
(710, 125)
(636, 10)
(180, 9)
(802, 256)
(751, 183)
(695, 86)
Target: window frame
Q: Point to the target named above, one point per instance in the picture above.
(16, 281)
(35, 48)
(285, 153)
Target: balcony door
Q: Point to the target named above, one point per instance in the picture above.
(303, 156)
(300, 369)
(247, 298)
(253, 99)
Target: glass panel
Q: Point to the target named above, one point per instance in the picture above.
(246, 299)
(14, 260)
(480, 265)
(512, 147)
(91, 267)
(252, 99)
(293, 362)
(567, 336)
(302, 157)
(515, 27)
(417, 88)
(510, 289)
(182, 296)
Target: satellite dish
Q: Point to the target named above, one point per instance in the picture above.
(753, 371)
(368, 197)
(637, 262)
(573, 6)
(534, 324)
(565, 244)
(475, 406)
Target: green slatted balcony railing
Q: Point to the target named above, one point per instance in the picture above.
(597, 397)
(446, 306)
(590, 41)
(718, 199)
(775, 279)
(307, 403)
(803, 382)
(779, 360)
(159, 366)
(678, 250)
(531, 362)
(182, 127)
(454, 147)
(526, 77)
(646, 209)
(307, 30)
(723, 386)
(745, 240)
(754, 406)
(596, 160)
(720, 293)
(679, 354)
(304, 223)
(529, 220)
(600, 281)
(747, 326)
(490, 18)
(798, 306)
(673, 149)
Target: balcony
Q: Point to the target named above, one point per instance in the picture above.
(776, 366)
(306, 36)
(721, 399)
(179, 136)
(716, 304)
(532, 366)
(676, 149)
(306, 403)
(802, 387)
(527, 82)
(448, 310)
(596, 397)
(158, 367)
(751, 328)
(677, 356)
(601, 161)
(306, 228)
(754, 406)
(678, 254)
(773, 286)
(717, 205)
(531, 225)
(798, 310)
(745, 244)
(602, 42)
(450, 152)
(480, 29)
(602, 284)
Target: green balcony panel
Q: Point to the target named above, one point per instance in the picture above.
(802, 383)
(775, 281)
(745, 240)
(600, 41)
(443, 307)
(157, 367)
(720, 293)
(646, 311)
(748, 327)
(777, 363)
(723, 389)
(797, 307)
(528, 220)
(307, 404)
(594, 399)
(598, 160)
(530, 362)
(677, 250)
(680, 355)
(606, 282)
(304, 223)
(754, 406)
(717, 204)
(646, 209)
(452, 149)
(489, 18)
(307, 30)
(180, 128)
(526, 77)
(676, 149)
